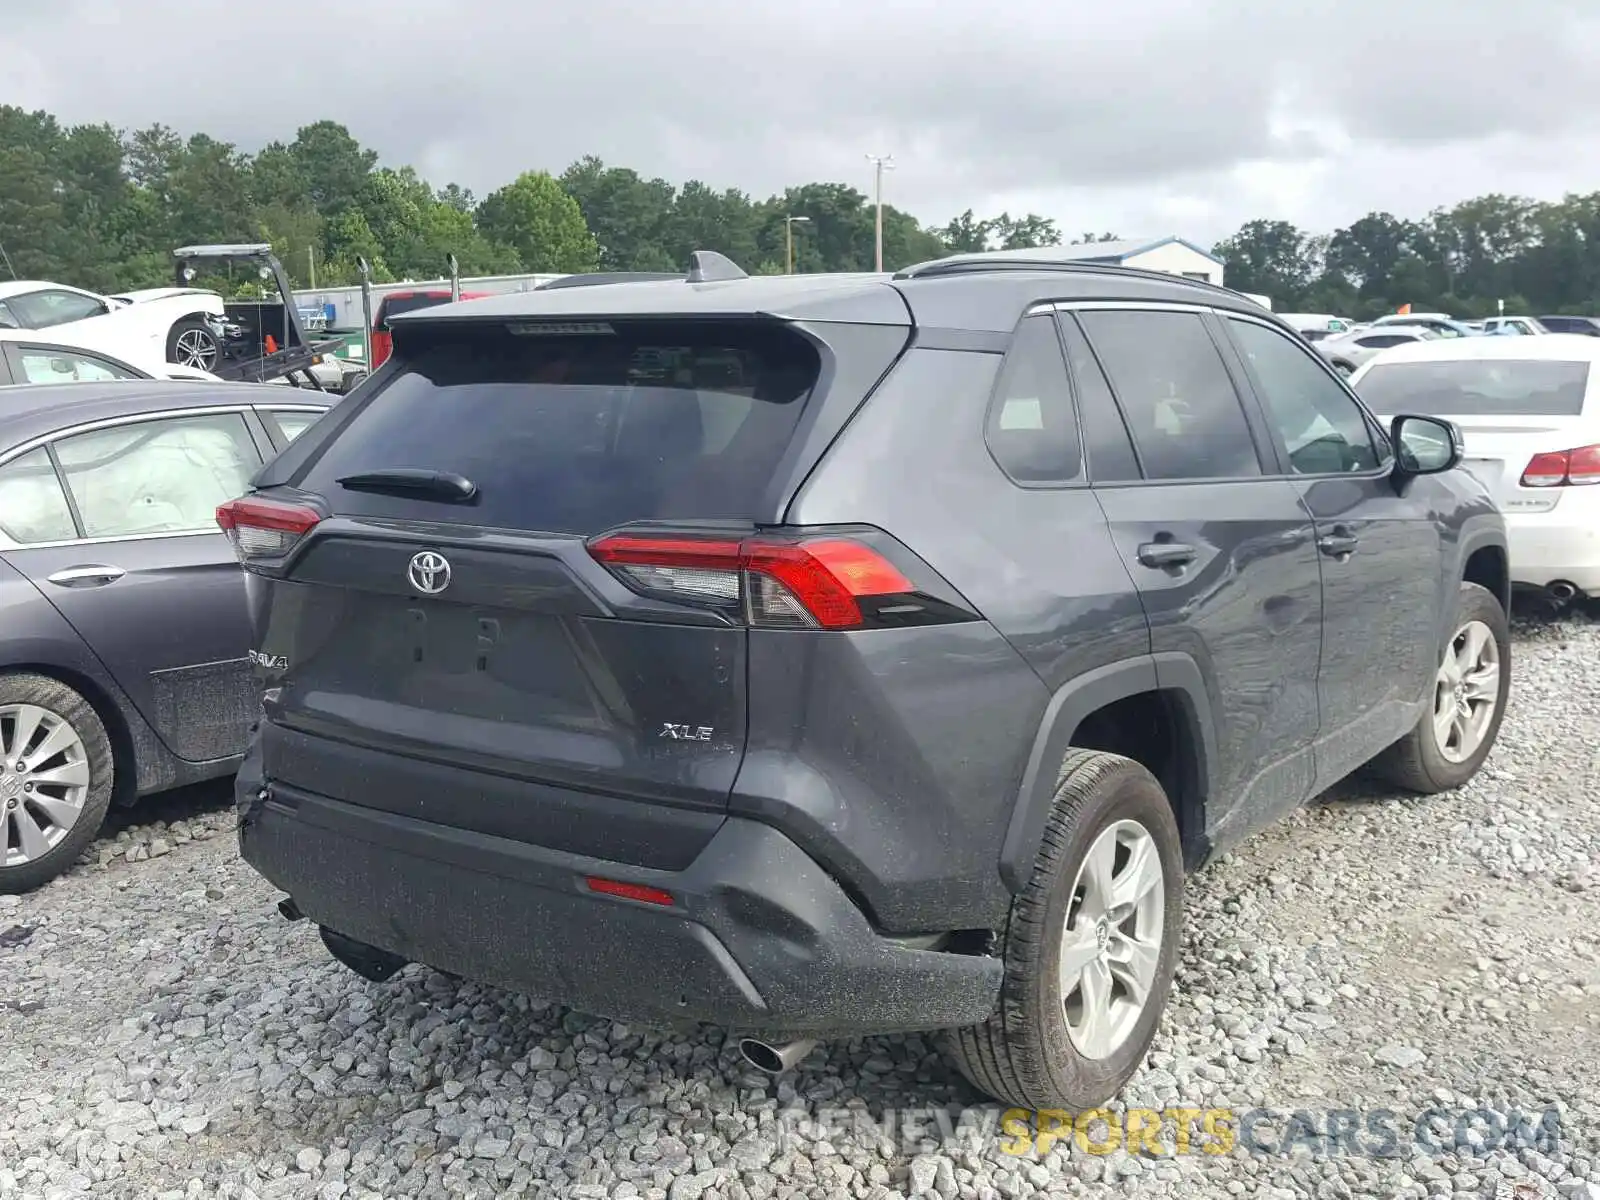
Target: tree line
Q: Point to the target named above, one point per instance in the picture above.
(103, 208)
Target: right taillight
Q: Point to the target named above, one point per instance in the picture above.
(774, 582)
(1563, 468)
(265, 529)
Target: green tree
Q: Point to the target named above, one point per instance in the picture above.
(966, 234)
(705, 219)
(348, 239)
(541, 222)
(1269, 258)
(1025, 232)
(332, 165)
(630, 217)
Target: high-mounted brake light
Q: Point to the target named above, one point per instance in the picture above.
(805, 583)
(260, 528)
(1563, 468)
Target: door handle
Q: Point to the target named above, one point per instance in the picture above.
(1167, 554)
(1337, 545)
(95, 576)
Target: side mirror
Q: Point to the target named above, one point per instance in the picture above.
(1425, 445)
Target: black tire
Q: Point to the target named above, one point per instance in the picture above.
(192, 328)
(1024, 1055)
(60, 700)
(1416, 762)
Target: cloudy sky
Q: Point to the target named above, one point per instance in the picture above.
(1139, 116)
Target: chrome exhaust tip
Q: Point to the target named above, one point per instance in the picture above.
(1563, 592)
(774, 1059)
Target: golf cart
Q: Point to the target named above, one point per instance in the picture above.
(265, 340)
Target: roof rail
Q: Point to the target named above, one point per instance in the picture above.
(972, 264)
(707, 266)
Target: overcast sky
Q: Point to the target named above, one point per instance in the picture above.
(1143, 117)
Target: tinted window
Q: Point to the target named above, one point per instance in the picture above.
(160, 476)
(8, 320)
(1111, 457)
(1032, 431)
(1322, 428)
(1179, 400)
(33, 508)
(1501, 387)
(60, 365)
(1564, 325)
(40, 310)
(1382, 341)
(580, 433)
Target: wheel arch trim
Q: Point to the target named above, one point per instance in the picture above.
(1175, 674)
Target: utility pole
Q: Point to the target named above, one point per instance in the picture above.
(788, 242)
(7, 258)
(311, 265)
(880, 163)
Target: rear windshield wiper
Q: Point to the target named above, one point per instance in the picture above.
(406, 481)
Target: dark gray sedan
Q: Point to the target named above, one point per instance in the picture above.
(124, 637)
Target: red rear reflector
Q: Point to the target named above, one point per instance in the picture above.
(265, 528)
(795, 584)
(629, 891)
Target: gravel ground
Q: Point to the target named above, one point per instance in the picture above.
(164, 1033)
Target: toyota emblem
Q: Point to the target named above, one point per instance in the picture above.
(429, 572)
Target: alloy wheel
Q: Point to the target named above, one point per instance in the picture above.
(196, 348)
(1466, 692)
(44, 781)
(1111, 945)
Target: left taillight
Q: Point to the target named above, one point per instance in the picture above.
(263, 529)
(825, 581)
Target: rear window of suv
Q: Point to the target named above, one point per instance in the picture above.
(1477, 387)
(576, 434)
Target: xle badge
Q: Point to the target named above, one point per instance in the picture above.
(686, 733)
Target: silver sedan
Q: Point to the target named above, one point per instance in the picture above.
(1352, 350)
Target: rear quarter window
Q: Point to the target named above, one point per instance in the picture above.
(576, 434)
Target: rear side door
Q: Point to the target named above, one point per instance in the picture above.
(120, 535)
(1221, 550)
(1380, 551)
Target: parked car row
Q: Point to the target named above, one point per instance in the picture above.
(881, 650)
(124, 636)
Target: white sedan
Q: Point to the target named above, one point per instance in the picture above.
(176, 325)
(1529, 412)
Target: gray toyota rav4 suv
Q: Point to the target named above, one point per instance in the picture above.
(824, 656)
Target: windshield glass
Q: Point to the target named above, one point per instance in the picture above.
(1499, 387)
